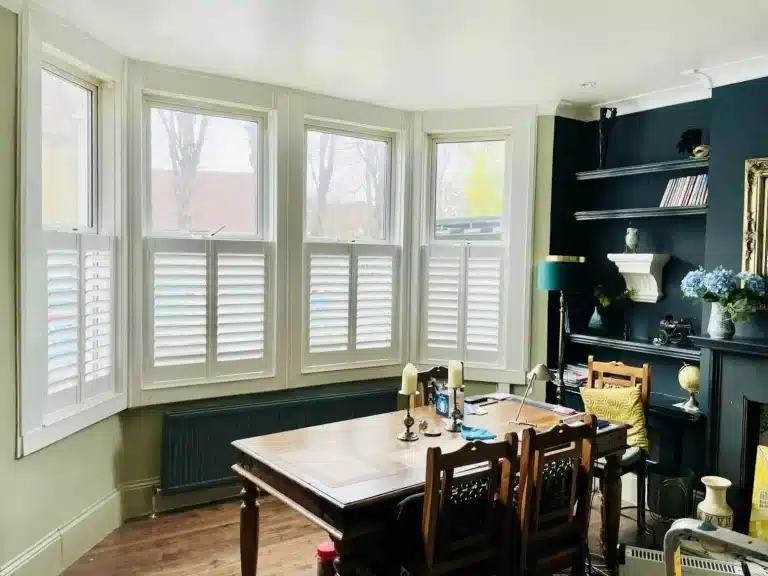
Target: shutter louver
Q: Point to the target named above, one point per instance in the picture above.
(98, 314)
(328, 303)
(240, 302)
(63, 319)
(179, 308)
(442, 299)
(375, 293)
(483, 304)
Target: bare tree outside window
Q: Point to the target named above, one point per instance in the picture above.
(204, 173)
(469, 186)
(347, 186)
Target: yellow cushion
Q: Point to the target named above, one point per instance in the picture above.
(620, 406)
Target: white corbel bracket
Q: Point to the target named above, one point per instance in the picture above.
(642, 273)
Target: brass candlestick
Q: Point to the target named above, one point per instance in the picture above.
(408, 435)
(455, 424)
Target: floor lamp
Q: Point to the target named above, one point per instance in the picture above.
(559, 274)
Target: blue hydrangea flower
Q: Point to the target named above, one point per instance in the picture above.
(692, 285)
(720, 282)
(753, 282)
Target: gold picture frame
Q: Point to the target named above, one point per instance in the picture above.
(754, 240)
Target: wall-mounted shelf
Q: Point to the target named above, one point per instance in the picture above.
(640, 346)
(632, 213)
(686, 164)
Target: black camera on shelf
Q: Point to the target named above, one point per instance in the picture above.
(673, 331)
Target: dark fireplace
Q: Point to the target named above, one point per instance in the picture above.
(734, 393)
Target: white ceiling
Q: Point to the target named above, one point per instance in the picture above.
(424, 54)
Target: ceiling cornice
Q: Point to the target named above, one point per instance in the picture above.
(721, 75)
(567, 109)
(12, 5)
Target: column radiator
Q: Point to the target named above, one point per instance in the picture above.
(196, 451)
(644, 562)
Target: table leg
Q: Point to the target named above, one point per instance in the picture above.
(249, 529)
(611, 511)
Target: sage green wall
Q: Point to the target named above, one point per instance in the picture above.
(545, 140)
(44, 491)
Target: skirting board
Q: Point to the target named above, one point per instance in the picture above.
(137, 498)
(58, 549)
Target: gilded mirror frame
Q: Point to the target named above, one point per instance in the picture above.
(754, 241)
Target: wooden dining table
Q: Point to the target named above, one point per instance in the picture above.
(348, 477)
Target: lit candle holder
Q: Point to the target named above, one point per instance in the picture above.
(408, 388)
(455, 381)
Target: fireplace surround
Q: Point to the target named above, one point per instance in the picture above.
(734, 391)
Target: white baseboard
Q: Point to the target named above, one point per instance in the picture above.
(137, 498)
(55, 551)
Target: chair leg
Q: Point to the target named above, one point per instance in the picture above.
(641, 475)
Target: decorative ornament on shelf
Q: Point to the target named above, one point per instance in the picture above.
(734, 297)
(689, 377)
(642, 274)
(714, 508)
(630, 241)
(689, 141)
(673, 331)
(700, 152)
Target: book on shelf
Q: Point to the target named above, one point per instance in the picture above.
(685, 191)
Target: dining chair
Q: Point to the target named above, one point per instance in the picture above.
(467, 515)
(556, 469)
(634, 459)
(426, 382)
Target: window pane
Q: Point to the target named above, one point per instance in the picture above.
(347, 187)
(469, 182)
(204, 173)
(66, 154)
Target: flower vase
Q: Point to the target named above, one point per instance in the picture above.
(714, 508)
(720, 324)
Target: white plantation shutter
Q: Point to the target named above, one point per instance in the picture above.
(329, 279)
(241, 306)
(483, 305)
(462, 304)
(98, 314)
(64, 321)
(441, 302)
(375, 298)
(350, 302)
(178, 308)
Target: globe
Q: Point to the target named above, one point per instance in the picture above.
(689, 378)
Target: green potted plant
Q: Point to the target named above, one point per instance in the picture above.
(600, 320)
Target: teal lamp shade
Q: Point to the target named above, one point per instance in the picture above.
(559, 273)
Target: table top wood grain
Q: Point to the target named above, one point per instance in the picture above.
(354, 462)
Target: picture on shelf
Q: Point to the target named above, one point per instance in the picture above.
(685, 191)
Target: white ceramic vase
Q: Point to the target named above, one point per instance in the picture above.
(720, 324)
(630, 240)
(714, 507)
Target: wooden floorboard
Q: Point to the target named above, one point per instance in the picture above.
(205, 542)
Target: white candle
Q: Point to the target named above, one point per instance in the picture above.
(410, 379)
(455, 374)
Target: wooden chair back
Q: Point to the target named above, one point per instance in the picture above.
(424, 378)
(620, 375)
(489, 491)
(556, 470)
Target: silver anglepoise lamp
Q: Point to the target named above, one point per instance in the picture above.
(538, 373)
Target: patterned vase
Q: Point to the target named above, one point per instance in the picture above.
(720, 324)
(714, 508)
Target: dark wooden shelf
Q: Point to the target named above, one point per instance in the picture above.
(641, 346)
(686, 164)
(749, 346)
(628, 213)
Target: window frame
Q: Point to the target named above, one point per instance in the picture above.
(47, 42)
(353, 359)
(431, 188)
(82, 79)
(363, 133)
(151, 101)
